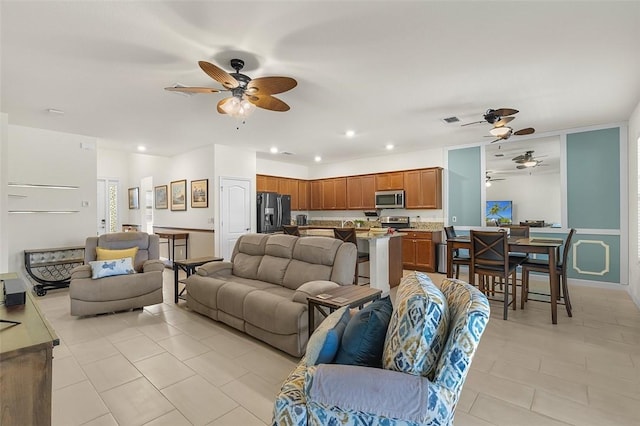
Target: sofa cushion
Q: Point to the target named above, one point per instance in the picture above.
(363, 339)
(280, 245)
(272, 269)
(110, 254)
(246, 266)
(418, 329)
(325, 340)
(312, 288)
(300, 272)
(273, 313)
(110, 268)
(251, 244)
(318, 250)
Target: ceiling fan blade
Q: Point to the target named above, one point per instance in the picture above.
(221, 103)
(503, 112)
(497, 140)
(270, 85)
(267, 102)
(503, 121)
(521, 167)
(192, 89)
(518, 158)
(475, 122)
(219, 75)
(526, 131)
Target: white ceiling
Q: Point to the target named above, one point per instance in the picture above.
(390, 70)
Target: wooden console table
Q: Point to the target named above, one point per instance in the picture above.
(51, 268)
(26, 351)
(171, 237)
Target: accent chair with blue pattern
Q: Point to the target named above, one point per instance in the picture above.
(429, 346)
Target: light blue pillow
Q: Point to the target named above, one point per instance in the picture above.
(363, 339)
(325, 340)
(108, 268)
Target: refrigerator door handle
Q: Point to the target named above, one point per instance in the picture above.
(279, 225)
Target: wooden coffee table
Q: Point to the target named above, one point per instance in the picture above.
(347, 295)
(189, 267)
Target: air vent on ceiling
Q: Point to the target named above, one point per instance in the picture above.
(450, 120)
(286, 153)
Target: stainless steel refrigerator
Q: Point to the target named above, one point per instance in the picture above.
(274, 210)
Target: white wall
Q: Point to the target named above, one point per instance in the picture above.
(4, 147)
(282, 169)
(39, 156)
(535, 197)
(634, 266)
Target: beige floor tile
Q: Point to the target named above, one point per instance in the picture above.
(174, 316)
(198, 400)
(183, 347)
(238, 416)
(61, 351)
(229, 344)
(554, 385)
(270, 364)
(138, 348)
(66, 371)
(254, 394)
(92, 350)
(159, 331)
(615, 403)
(467, 398)
(136, 402)
(106, 420)
(163, 370)
(76, 404)
(198, 328)
(502, 413)
(216, 368)
(497, 387)
(465, 419)
(111, 372)
(172, 418)
(574, 413)
(75, 332)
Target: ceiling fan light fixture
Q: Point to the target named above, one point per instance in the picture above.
(530, 163)
(237, 108)
(487, 183)
(500, 131)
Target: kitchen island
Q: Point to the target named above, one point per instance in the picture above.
(385, 254)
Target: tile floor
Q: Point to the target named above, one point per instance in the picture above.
(165, 365)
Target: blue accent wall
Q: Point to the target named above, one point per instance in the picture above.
(593, 179)
(465, 183)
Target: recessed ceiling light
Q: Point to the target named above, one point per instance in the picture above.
(142, 148)
(389, 146)
(273, 150)
(350, 133)
(317, 159)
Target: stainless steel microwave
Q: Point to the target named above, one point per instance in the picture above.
(390, 199)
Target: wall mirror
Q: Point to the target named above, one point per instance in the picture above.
(525, 176)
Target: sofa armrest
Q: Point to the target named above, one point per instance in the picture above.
(312, 288)
(80, 272)
(152, 265)
(374, 393)
(215, 268)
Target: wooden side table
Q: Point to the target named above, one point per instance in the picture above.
(171, 237)
(351, 295)
(189, 267)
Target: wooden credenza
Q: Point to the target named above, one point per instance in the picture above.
(419, 250)
(26, 352)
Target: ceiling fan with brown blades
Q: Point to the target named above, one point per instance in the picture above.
(526, 160)
(498, 117)
(505, 132)
(246, 93)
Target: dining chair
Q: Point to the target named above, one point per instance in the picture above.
(291, 230)
(457, 258)
(349, 235)
(490, 258)
(521, 231)
(539, 265)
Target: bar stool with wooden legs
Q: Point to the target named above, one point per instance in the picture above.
(457, 258)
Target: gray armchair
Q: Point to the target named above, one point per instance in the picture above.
(122, 292)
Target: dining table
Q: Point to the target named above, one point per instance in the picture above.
(532, 245)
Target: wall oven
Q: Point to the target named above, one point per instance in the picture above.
(390, 199)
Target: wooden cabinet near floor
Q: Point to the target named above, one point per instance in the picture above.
(423, 188)
(389, 181)
(419, 250)
(361, 192)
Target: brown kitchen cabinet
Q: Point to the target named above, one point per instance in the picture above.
(389, 181)
(334, 194)
(303, 195)
(315, 188)
(266, 183)
(361, 192)
(288, 186)
(419, 250)
(423, 188)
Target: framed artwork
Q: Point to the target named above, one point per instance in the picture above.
(200, 193)
(134, 198)
(161, 199)
(179, 195)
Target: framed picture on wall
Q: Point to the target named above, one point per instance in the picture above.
(200, 193)
(161, 199)
(179, 195)
(134, 198)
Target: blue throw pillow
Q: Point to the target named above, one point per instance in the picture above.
(108, 268)
(363, 339)
(325, 340)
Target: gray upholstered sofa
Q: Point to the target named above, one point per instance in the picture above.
(263, 290)
(118, 293)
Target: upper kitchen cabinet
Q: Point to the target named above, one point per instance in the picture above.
(267, 183)
(289, 186)
(388, 181)
(423, 188)
(334, 194)
(315, 187)
(361, 192)
(304, 195)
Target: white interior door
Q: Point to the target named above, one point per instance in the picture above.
(235, 213)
